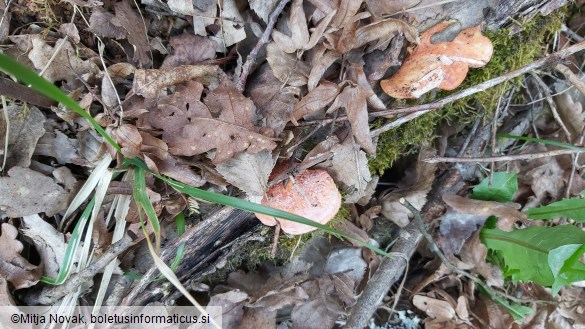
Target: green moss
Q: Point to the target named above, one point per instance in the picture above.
(511, 51)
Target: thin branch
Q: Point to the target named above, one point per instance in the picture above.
(572, 77)
(552, 104)
(251, 59)
(528, 156)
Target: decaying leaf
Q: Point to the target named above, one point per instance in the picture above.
(189, 50)
(248, 172)
(263, 8)
(100, 23)
(443, 65)
(286, 67)
(315, 100)
(25, 131)
(474, 252)
(136, 29)
(148, 83)
(273, 101)
(416, 193)
(64, 66)
(354, 100)
(349, 168)
(232, 306)
(204, 134)
(49, 243)
(27, 192)
(13, 267)
(508, 214)
(231, 105)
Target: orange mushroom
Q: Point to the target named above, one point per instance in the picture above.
(313, 195)
(442, 65)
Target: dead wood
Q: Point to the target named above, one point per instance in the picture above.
(207, 245)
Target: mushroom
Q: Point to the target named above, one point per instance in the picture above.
(312, 194)
(442, 65)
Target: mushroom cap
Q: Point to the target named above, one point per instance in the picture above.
(313, 195)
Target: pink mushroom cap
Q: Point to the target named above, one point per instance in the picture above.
(312, 195)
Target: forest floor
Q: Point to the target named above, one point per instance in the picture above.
(436, 145)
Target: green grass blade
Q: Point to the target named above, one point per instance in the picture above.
(141, 199)
(544, 141)
(72, 246)
(40, 84)
(180, 222)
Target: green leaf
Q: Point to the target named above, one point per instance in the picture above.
(503, 188)
(571, 208)
(565, 265)
(525, 252)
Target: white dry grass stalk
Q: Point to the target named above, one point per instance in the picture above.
(120, 208)
(100, 169)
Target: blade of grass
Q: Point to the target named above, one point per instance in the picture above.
(543, 141)
(72, 246)
(141, 199)
(38, 83)
(180, 222)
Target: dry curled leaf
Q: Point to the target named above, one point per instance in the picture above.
(442, 65)
(315, 100)
(13, 266)
(354, 100)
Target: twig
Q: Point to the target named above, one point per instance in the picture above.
(7, 132)
(418, 110)
(569, 75)
(306, 164)
(528, 156)
(571, 34)
(552, 104)
(251, 59)
(470, 135)
(385, 276)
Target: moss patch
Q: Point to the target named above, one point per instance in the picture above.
(511, 51)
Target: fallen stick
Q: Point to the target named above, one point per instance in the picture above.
(528, 156)
(251, 59)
